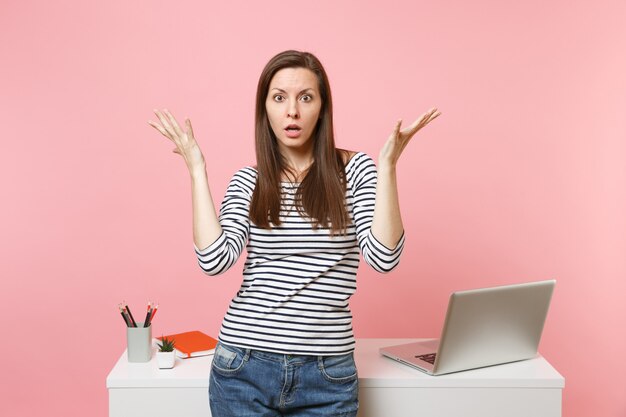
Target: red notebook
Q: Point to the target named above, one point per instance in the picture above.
(192, 344)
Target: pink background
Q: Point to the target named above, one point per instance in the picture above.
(521, 178)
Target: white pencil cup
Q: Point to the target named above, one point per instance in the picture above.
(139, 343)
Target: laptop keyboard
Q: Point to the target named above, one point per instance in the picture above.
(429, 357)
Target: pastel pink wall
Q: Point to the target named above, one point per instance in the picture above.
(521, 178)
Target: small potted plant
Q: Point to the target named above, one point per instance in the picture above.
(166, 355)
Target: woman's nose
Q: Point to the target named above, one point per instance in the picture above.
(292, 111)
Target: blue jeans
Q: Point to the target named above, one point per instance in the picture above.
(245, 382)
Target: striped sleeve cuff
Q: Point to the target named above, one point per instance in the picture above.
(211, 259)
(382, 247)
(382, 258)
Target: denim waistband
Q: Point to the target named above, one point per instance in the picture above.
(274, 356)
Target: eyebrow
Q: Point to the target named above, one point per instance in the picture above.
(281, 90)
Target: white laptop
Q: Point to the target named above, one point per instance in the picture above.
(483, 327)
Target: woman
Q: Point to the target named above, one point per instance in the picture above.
(303, 212)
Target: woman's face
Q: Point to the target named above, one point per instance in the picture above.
(293, 99)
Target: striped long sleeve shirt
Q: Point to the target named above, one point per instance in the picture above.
(297, 281)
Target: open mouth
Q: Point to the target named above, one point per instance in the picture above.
(293, 131)
(293, 128)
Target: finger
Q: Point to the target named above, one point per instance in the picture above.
(174, 123)
(422, 121)
(431, 118)
(165, 123)
(415, 126)
(190, 129)
(160, 129)
(419, 122)
(433, 113)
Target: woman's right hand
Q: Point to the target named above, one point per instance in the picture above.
(186, 144)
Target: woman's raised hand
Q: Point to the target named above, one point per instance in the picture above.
(186, 144)
(392, 149)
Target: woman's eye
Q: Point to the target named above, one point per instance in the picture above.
(277, 96)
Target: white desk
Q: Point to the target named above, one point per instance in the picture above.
(386, 388)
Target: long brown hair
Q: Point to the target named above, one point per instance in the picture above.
(321, 194)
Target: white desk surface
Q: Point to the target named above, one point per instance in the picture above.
(375, 371)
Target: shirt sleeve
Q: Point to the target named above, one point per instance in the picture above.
(376, 255)
(220, 255)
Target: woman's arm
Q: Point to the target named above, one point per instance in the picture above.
(234, 225)
(206, 227)
(387, 222)
(364, 186)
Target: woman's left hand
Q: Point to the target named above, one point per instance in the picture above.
(392, 149)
